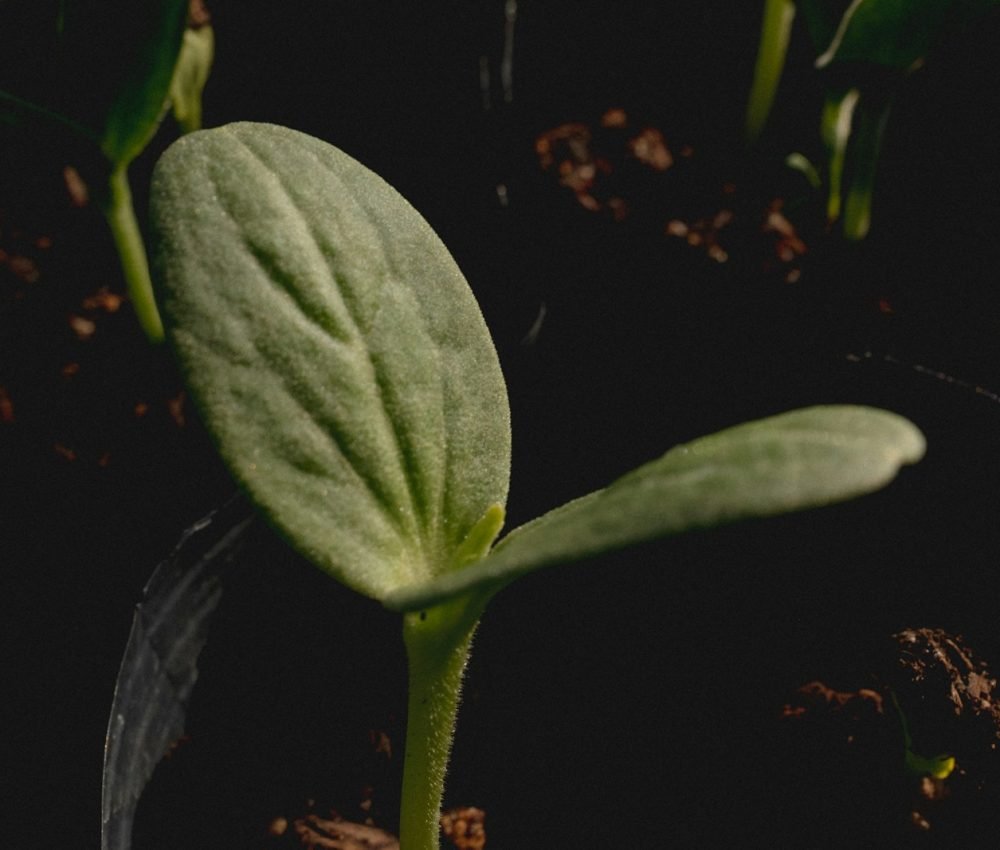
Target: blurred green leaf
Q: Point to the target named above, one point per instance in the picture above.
(897, 34)
(145, 68)
(101, 68)
(776, 28)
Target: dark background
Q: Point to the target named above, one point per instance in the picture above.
(620, 703)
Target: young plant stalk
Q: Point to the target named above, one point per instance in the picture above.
(120, 214)
(438, 639)
(437, 647)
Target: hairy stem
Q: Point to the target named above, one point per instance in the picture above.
(774, 33)
(120, 213)
(437, 646)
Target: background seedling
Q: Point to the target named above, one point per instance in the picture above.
(864, 50)
(100, 78)
(343, 367)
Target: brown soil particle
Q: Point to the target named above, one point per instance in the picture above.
(316, 833)
(465, 827)
(627, 173)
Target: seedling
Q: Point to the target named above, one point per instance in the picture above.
(106, 87)
(343, 367)
(865, 49)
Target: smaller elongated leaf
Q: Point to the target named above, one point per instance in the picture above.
(802, 459)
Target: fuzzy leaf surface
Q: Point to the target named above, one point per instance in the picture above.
(336, 352)
(801, 459)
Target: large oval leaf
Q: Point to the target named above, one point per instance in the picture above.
(802, 459)
(335, 350)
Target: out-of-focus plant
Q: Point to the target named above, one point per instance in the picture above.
(865, 50)
(97, 78)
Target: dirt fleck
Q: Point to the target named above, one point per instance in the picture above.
(316, 833)
(627, 173)
(83, 328)
(76, 187)
(650, 148)
(465, 827)
(198, 15)
(381, 742)
(64, 451)
(105, 300)
(175, 406)
(6, 406)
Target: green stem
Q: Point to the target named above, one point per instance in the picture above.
(120, 213)
(873, 114)
(437, 645)
(835, 128)
(774, 33)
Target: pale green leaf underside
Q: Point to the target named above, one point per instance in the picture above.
(336, 352)
(802, 459)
